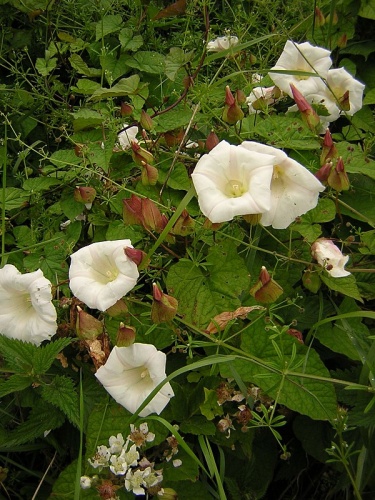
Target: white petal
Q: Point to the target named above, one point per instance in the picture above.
(126, 137)
(340, 81)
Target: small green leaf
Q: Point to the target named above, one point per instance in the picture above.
(19, 355)
(210, 408)
(125, 86)
(107, 25)
(129, 41)
(346, 285)
(15, 383)
(62, 394)
(79, 65)
(147, 61)
(15, 198)
(176, 118)
(46, 355)
(36, 184)
(198, 425)
(175, 60)
(85, 87)
(45, 66)
(86, 118)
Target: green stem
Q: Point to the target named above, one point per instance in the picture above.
(3, 196)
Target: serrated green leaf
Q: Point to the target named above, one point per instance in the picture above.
(129, 41)
(204, 293)
(346, 285)
(125, 86)
(45, 355)
(62, 394)
(15, 383)
(108, 24)
(19, 355)
(42, 418)
(147, 61)
(306, 395)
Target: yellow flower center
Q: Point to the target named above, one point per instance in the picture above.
(234, 188)
(145, 373)
(111, 274)
(277, 172)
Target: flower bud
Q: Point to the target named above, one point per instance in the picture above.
(87, 327)
(125, 335)
(296, 334)
(266, 290)
(149, 174)
(309, 115)
(232, 112)
(174, 138)
(329, 150)
(213, 226)
(212, 141)
(342, 41)
(152, 219)
(323, 173)
(146, 120)
(319, 19)
(184, 225)
(332, 19)
(167, 494)
(164, 307)
(140, 154)
(311, 280)
(120, 308)
(132, 210)
(85, 195)
(126, 109)
(344, 101)
(240, 96)
(137, 256)
(338, 178)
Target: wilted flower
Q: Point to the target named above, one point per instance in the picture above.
(294, 190)
(132, 373)
(231, 180)
(328, 255)
(302, 57)
(88, 327)
(26, 311)
(127, 136)
(262, 97)
(222, 43)
(101, 273)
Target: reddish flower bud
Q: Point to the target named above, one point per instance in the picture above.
(338, 178)
(342, 41)
(212, 141)
(126, 109)
(146, 120)
(85, 195)
(266, 290)
(319, 19)
(323, 173)
(296, 334)
(329, 150)
(137, 256)
(344, 101)
(87, 327)
(164, 307)
(152, 218)
(184, 225)
(120, 308)
(232, 112)
(78, 150)
(213, 226)
(132, 210)
(240, 96)
(332, 19)
(149, 174)
(174, 137)
(309, 115)
(140, 154)
(125, 335)
(229, 99)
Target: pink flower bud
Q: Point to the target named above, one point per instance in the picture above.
(342, 41)
(85, 195)
(323, 173)
(329, 150)
(232, 112)
(309, 115)
(319, 19)
(132, 210)
(120, 308)
(212, 141)
(137, 256)
(149, 174)
(338, 178)
(87, 327)
(164, 307)
(146, 120)
(266, 290)
(125, 335)
(126, 109)
(140, 154)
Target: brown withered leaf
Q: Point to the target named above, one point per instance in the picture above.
(175, 9)
(222, 319)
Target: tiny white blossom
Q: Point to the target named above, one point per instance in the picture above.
(222, 43)
(151, 477)
(85, 482)
(119, 464)
(132, 456)
(134, 482)
(116, 443)
(177, 462)
(101, 458)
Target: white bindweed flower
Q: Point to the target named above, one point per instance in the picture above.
(260, 98)
(132, 373)
(222, 43)
(26, 309)
(127, 136)
(231, 181)
(328, 255)
(294, 190)
(301, 57)
(100, 274)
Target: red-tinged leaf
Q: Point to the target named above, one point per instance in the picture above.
(175, 9)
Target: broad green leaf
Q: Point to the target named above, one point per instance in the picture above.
(124, 87)
(355, 160)
(36, 184)
(198, 425)
(85, 87)
(19, 355)
(129, 41)
(325, 211)
(64, 157)
(79, 65)
(45, 66)
(114, 67)
(280, 131)
(361, 198)
(367, 9)
(310, 232)
(107, 25)
(118, 231)
(346, 285)
(24, 236)
(178, 178)
(210, 407)
(14, 198)
(147, 61)
(175, 60)
(62, 394)
(368, 242)
(369, 97)
(305, 395)
(71, 207)
(204, 291)
(363, 119)
(46, 355)
(176, 118)
(51, 260)
(86, 118)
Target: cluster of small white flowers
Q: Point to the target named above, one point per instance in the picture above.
(122, 458)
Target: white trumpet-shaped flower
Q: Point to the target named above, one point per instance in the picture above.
(232, 181)
(132, 373)
(127, 136)
(26, 309)
(301, 57)
(101, 273)
(294, 190)
(328, 255)
(222, 43)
